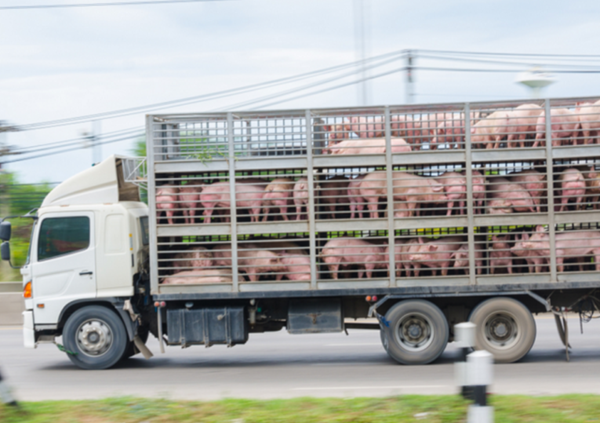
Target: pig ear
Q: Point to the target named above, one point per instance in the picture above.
(438, 187)
(433, 247)
(453, 255)
(539, 228)
(525, 237)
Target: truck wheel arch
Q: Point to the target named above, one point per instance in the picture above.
(114, 304)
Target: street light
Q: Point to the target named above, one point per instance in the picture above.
(536, 79)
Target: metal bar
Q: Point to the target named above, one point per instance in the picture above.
(389, 174)
(152, 207)
(469, 181)
(232, 203)
(550, 190)
(310, 208)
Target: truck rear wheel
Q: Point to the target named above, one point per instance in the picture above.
(505, 328)
(95, 338)
(416, 332)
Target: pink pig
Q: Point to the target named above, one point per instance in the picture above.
(589, 120)
(300, 196)
(248, 196)
(435, 254)
(189, 201)
(563, 123)
(348, 251)
(356, 201)
(572, 184)
(522, 122)
(500, 254)
(461, 257)
(196, 257)
(368, 127)
(166, 199)
(279, 194)
(533, 182)
(455, 187)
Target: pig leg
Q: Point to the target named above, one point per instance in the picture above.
(283, 211)
(265, 215)
(170, 214)
(596, 254)
(352, 208)
(369, 267)
(462, 207)
(279, 277)
(372, 205)
(334, 268)
(450, 205)
(207, 213)
(559, 263)
(416, 270)
(360, 207)
(251, 272)
(510, 267)
(255, 214)
(298, 211)
(581, 261)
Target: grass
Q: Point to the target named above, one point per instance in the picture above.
(410, 408)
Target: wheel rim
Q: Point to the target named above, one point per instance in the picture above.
(414, 332)
(94, 337)
(501, 330)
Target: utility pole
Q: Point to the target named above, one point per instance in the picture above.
(361, 44)
(5, 149)
(409, 78)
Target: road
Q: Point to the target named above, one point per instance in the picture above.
(279, 365)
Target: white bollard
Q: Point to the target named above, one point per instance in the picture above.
(479, 374)
(464, 336)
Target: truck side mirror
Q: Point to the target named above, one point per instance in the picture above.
(5, 229)
(5, 251)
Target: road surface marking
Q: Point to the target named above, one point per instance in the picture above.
(331, 388)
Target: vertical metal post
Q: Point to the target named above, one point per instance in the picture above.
(310, 208)
(361, 45)
(96, 147)
(409, 78)
(389, 174)
(232, 204)
(550, 188)
(150, 156)
(469, 180)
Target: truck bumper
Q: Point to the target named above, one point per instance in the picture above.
(28, 332)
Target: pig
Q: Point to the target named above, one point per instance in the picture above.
(522, 122)
(571, 244)
(222, 255)
(513, 194)
(499, 206)
(368, 127)
(417, 191)
(370, 146)
(533, 182)
(403, 126)
(195, 257)
(256, 262)
(455, 187)
(452, 130)
(488, 132)
(333, 191)
(400, 210)
(166, 199)
(564, 125)
(295, 261)
(435, 254)
(500, 254)
(279, 194)
(427, 126)
(592, 185)
(533, 260)
(409, 247)
(371, 189)
(300, 196)
(247, 195)
(398, 248)
(189, 201)
(588, 116)
(336, 134)
(197, 277)
(478, 186)
(347, 251)
(461, 258)
(572, 187)
(357, 203)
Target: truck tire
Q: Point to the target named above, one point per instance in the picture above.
(416, 332)
(95, 338)
(505, 328)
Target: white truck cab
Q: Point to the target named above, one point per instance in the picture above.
(88, 244)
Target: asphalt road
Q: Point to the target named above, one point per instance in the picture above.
(279, 365)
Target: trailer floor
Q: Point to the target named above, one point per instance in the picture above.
(279, 365)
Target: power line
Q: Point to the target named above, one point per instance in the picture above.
(504, 62)
(501, 70)
(597, 56)
(199, 98)
(126, 3)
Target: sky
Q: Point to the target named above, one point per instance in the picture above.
(61, 63)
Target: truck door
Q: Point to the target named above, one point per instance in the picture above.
(63, 264)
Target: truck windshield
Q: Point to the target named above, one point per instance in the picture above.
(63, 235)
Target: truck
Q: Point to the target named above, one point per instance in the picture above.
(405, 219)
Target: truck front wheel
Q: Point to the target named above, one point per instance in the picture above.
(416, 332)
(95, 338)
(505, 328)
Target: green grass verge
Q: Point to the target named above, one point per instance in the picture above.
(409, 408)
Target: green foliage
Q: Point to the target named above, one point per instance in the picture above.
(19, 199)
(404, 409)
